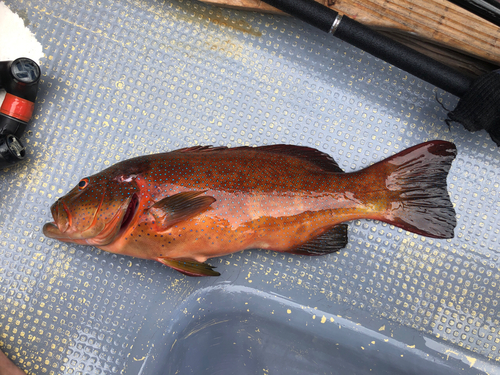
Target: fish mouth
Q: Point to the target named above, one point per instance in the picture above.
(98, 235)
(62, 217)
(52, 231)
(61, 223)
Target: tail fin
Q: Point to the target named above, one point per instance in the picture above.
(418, 197)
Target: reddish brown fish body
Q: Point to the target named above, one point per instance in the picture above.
(197, 203)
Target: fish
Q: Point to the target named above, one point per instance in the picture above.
(185, 206)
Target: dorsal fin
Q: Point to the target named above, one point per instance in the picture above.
(322, 160)
(203, 149)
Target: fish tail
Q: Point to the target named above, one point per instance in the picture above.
(417, 197)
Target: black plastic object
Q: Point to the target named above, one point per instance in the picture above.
(19, 78)
(487, 9)
(11, 150)
(475, 110)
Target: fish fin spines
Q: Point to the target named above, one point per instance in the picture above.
(312, 155)
(329, 242)
(320, 159)
(208, 148)
(418, 197)
(189, 267)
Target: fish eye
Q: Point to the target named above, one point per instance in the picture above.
(83, 183)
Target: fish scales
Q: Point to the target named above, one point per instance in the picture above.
(246, 202)
(186, 206)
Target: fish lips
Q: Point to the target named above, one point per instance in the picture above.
(61, 223)
(51, 230)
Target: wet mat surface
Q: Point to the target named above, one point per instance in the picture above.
(126, 78)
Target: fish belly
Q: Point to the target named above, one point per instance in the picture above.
(210, 235)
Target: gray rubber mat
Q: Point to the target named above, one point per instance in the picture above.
(127, 78)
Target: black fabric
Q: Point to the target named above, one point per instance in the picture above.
(308, 11)
(479, 107)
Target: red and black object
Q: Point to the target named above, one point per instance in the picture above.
(479, 105)
(19, 78)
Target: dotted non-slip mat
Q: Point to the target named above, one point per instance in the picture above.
(127, 78)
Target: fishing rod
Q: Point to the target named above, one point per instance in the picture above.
(479, 105)
(487, 9)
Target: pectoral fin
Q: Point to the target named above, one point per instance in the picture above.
(179, 207)
(189, 267)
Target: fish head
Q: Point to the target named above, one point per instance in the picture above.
(96, 211)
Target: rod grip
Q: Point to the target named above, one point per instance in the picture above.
(403, 57)
(376, 44)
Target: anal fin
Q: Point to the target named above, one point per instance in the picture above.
(189, 267)
(326, 243)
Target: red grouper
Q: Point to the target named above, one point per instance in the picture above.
(185, 206)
